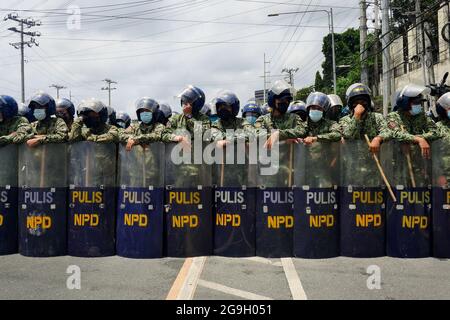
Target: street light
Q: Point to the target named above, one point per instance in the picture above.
(331, 27)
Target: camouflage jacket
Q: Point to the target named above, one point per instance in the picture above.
(221, 126)
(54, 129)
(142, 133)
(443, 128)
(104, 134)
(15, 130)
(290, 125)
(198, 124)
(324, 130)
(404, 127)
(373, 124)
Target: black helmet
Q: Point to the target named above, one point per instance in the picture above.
(358, 90)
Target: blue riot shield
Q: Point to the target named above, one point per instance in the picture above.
(441, 198)
(92, 181)
(409, 218)
(140, 201)
(8, 199)
(42, 200)
(188, 203)
(274, 202)
(234, 201)
(362, 202)
(316, 224)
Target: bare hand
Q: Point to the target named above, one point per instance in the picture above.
(424, 146)
(222, 143)
(130, 144)
(274, 138)
(34, 142)
(359, 111)
(374, 146)
(309, 140)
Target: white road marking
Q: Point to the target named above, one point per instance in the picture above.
(264, 261)
(190, 283)
(295, 285)
(232, 291)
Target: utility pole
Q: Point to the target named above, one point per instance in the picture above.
(109, 82)
(362, 41)
(290, 72)
(386, 36)
(265, 78)
(27, 23)
(57, 87)
(376, 46)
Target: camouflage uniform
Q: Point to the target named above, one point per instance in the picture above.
(196, 125)
(373, 124)
(54, 129)
(222, 126)
(289, 125)
(104, 134)
(142, 133)
(14, 131)
(443, 128)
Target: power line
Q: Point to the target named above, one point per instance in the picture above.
(109, 89)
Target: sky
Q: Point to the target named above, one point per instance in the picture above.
(155, 48)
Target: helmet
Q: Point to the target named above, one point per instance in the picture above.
(195, 96)
(297, 106)
(410, 92)
(442, 105)
(335, 100)
(94, 105)
(66, 104)
(251, 106)
(166, 110)
(358, 90)
(146, 103)
(111, 116)
(44, 100)
(228, 98)
(281, 89)
(8, 107)
(123, 117)
(26, 112)
(206, 109)
(318, 99)
(265, 109)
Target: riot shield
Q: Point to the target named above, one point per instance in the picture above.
(140, 201)
(316, 224)
(362, 202)
(188, 202)
(8, 199)
(92, 178)
(441, 198)
(274, 202)
(42, 200)
(408, 219)
(234, 201)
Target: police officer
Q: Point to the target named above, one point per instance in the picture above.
(123, 120)
(192, 120)
(111, 116)
(362, 119)
(251, 112)
(318, 127)
(66, 111)
(285, 125)
(265, 109)
(13, 128)
(298, 107)
(164, 113)
(147, 130)
(91, 124)
(25, 112)
(335, 111)
(409, 122)
(443, 111)
(47, 128)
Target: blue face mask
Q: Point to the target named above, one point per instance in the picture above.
(251, 119)
(39, 114)
(315, 115)
(146, 117)
(213, 118)
(416, 109)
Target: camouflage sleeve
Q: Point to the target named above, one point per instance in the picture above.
(111, 136)
(431, 132)
(217, 132)
(60, 134)
(168, 133)
(297, 130)
(20, 134)
(441, 129)
(396, 129)
(154, 136)
(333, 135)
(351, 127)
(125, 134)
(261, 127)
(382, 128)
(75, 133)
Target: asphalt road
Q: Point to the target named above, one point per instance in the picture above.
(223, 278)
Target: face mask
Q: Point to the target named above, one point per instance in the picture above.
(92, 122)
(416, 109)
(315, 115)
(39, 114)
(282, 107)
(251, 119)
(213, 118)
(146, 117)
(224, 114)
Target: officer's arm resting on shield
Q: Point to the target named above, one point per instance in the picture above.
(112, 136)
(127, 133)
(333, 135)
(20, 133)
(60, 134)
(169, 131)
(154, 136)
(75, 133)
